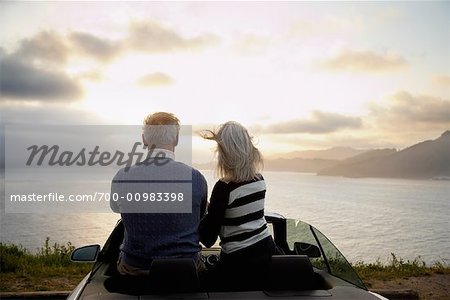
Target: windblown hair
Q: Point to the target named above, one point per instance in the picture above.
(161, 128)
(238, 160)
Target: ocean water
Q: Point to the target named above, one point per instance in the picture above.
(367, 219)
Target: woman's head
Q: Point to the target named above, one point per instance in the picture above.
(238, 159)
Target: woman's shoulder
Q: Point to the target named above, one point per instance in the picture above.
(232, 184)
(222, 184)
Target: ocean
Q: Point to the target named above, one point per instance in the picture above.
(367, 219)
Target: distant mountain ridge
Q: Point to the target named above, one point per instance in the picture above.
(335, 153)
(425, 160)
(298, 164)
(309, 161)
(285, 165)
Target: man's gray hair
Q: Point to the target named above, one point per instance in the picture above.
(161, 134)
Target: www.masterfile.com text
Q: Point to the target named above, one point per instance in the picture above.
(97, 196)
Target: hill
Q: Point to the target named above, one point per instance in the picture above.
(285, 165)
(298, 164)
(335, 153)
(425, 160)
(309, 161)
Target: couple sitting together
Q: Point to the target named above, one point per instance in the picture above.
(235, 212)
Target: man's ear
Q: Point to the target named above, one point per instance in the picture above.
(143, 140)
(176, 141)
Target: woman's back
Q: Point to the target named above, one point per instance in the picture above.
(243, 223)
(236, 209)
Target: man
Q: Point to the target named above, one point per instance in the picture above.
(150, 235)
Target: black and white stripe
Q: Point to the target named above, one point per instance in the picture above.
(244, 223)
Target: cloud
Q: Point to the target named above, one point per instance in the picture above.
(36, 70)
(364, 62)
(406, 110)
(98, 48)
(93, 76)
(52, 114)
(153, 37)
(366, 140)
(404, 119)
(251, 44)
(36, 117)
(50, 47)
(44, 47)
(21, 80)
(154, 80)
(200, 127)
(441, 80)
(301, 28)
(326, 26)
(319, 123)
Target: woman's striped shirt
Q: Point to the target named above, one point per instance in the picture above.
(236, 215)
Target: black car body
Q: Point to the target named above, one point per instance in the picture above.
(310, 267)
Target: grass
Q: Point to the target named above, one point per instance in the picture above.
(48, 269)
(398, 268)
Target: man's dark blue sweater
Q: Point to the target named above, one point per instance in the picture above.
(158, 235)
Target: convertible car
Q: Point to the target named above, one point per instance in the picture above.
(309, 266)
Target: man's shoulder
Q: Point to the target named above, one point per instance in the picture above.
(196, 174)
(120, 174)
(126, 171)
(171, 164)
(183, 165)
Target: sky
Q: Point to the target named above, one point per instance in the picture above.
(298, 75)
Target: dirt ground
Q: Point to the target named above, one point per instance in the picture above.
(436, 286)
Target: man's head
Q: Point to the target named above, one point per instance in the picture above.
(161, 130)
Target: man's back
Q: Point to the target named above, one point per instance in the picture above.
(150, 235)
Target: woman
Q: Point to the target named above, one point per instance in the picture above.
(236, 208)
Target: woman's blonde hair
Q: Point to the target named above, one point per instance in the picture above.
(238, 159)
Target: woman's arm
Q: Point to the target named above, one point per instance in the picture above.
(211, 223)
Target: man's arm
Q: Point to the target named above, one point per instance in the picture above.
(204, 202)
